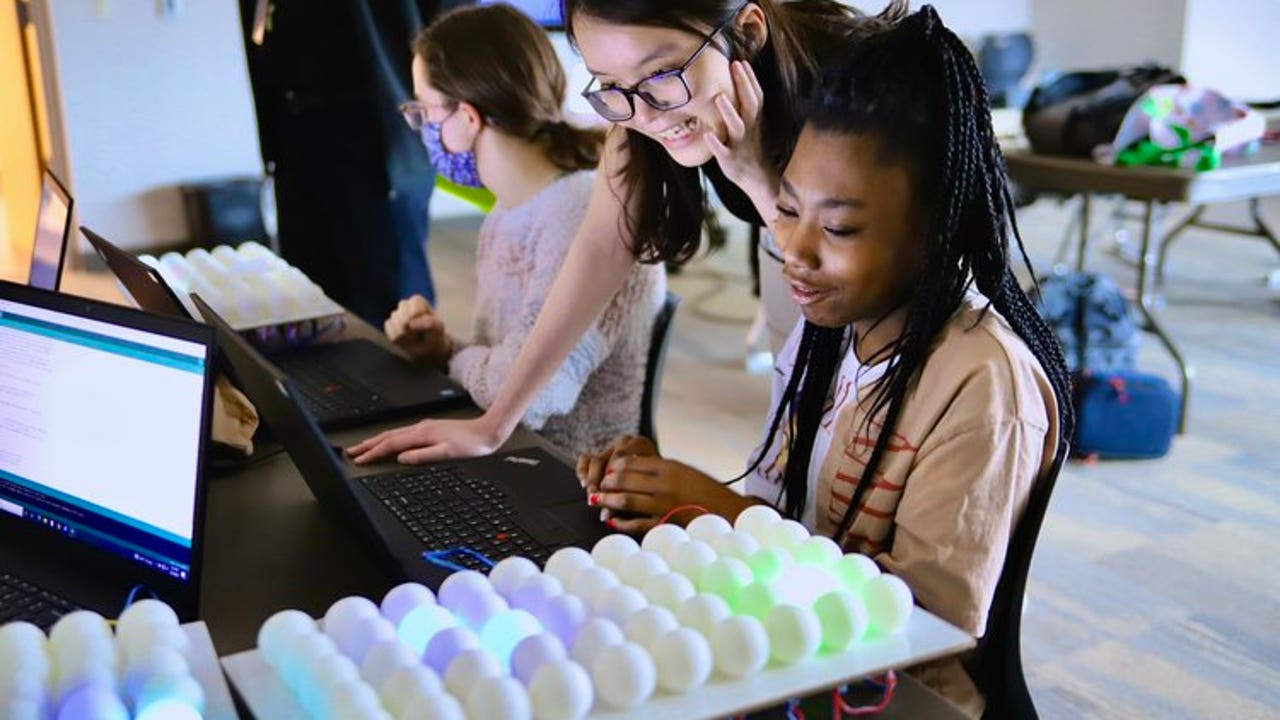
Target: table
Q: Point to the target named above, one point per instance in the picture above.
(1248, 177)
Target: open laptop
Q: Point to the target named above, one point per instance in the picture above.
(524, 502)
(344, 383)
(104, 420)
(53, 225)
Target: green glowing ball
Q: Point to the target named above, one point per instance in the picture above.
(888, 602)
(854, 570)
(767, 563)
(794, 633)
(843, 619)
(756, 600)
(818, 550)
(725, 577)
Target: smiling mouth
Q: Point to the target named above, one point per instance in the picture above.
(805, 294)
(678, 132)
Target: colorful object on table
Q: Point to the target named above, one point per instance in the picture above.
(1181, 126)
(598, 630)
(85, 670)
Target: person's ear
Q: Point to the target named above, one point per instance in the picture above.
(474, 119)
(753, 28)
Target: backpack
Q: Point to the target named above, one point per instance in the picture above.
(1072, 113)
(1093, 321)
(1120, 412)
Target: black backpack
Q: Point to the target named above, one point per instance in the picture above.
(1071, 113)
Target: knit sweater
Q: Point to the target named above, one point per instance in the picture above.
(595, 395)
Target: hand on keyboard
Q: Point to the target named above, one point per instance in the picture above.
(429, 441)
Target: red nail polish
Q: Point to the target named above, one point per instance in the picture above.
(611, 524)
(593, 499)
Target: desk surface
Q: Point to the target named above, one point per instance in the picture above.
(1239, 178)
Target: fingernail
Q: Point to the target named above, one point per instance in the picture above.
(593, 499)
(604, 515)
(611, 524)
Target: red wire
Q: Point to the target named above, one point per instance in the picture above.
(840, 706)
(682, 508)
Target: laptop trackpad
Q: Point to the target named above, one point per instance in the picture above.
(553, 525)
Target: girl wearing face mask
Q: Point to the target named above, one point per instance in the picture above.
(492, 119)
(701, 93)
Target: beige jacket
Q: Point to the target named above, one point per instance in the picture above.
(978, 428)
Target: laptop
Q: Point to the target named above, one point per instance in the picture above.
(53, 225)
(343, 384)
(104, 425)
(429, 520)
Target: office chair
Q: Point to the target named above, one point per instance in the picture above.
(996, 666)
(659, 341)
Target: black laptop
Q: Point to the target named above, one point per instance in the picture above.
(104, 420)
(343, 384)
(425, 521)
(53, 225)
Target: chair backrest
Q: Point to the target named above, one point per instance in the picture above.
(658, 343)
(997, 664)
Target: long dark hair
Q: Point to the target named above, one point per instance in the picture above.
(668, 200)
(497, 59)
(917, 89)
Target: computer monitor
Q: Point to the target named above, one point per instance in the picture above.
(544, 12)
(53, 224)
(104, 415)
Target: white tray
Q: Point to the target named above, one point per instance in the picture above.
(205, 669)
(925, 638)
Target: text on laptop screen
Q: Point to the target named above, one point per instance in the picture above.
(51, 226)
(100, 433)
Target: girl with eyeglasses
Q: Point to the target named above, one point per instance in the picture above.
(922, 403)
(700, 92)
(492, 119)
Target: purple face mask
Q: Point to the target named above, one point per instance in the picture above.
(458, 168)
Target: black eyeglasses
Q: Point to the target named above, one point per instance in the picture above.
(666, 90)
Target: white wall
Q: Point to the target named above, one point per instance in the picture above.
(150, 102)
(1232, 46)
(1077, 34)
(971, 19)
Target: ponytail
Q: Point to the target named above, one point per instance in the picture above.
(570, 148)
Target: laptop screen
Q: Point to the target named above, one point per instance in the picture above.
(544, 12)
(52, 222)
(100, 433)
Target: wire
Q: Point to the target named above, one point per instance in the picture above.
(701, 510)
(794, 711)
(133, 596)
(839, 707)
(441, 558)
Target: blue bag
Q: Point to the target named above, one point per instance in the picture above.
(1126, 415)
(1120, 412)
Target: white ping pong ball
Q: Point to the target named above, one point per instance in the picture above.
(624, 675)
(683, 659)
(740, 646)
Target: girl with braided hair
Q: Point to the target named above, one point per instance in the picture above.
(921, 397)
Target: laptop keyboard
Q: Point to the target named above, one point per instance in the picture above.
(327, 390)
(20, 600)
(447, 508)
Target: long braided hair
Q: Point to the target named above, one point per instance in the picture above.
(917, 89)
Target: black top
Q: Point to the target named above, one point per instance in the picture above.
(735, 200)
